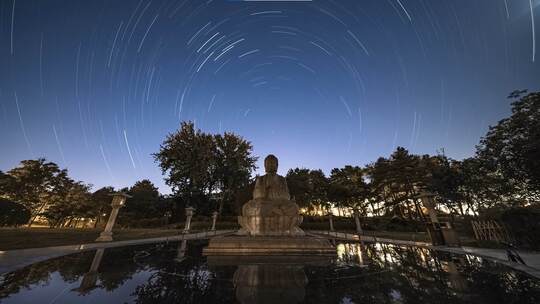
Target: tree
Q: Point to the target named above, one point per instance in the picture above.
(348, 188)
(143, 203)
(482, 188)
(100, 202)
(319, 193)
(34, 183)
(199, 165)
(300, 187)
(448, 182)
(397, 181)
(234, 165)
(309, 188)
(6, 182)
(187, 157)
(12, 213)
(70, 202)
(512, 147)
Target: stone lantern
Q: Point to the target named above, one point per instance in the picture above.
(442, 233)
(429, 203)
(189, 214)
(119, 199)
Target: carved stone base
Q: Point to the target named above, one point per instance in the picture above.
(105, 237)
(268, 245)
(282, 225)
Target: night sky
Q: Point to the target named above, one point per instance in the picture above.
(95, 86)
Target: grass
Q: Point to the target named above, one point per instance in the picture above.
(23, 238)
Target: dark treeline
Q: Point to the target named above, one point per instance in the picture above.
(38, 191)
(503, 173)
(214, 172)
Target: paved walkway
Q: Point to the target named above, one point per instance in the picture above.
(532, 259)
(15, 259)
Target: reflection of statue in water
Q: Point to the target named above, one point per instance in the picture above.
(270, 283)
(271, 211)
(270, 279)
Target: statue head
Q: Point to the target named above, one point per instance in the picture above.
(270, 164)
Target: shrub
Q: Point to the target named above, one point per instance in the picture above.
(524, 225)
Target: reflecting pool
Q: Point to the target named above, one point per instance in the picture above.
(178, 273)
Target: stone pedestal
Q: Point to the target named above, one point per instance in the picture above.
(268, 245)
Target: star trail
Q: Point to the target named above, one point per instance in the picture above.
(95, 86)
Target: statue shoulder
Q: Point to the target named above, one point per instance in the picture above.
(282, 178)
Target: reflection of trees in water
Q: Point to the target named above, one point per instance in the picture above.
(419, 275)
(70, 268)
(393, 274)
(115, 269)
(502, 287)
(188, 281)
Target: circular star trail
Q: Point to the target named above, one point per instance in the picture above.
(96, 85)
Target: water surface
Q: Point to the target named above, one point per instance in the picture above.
(178, 273)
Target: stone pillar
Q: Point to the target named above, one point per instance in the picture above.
(214, 219)
(189, 215)
(357, 221)
(119, 199)
(331, 221)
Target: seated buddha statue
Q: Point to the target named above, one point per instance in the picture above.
(271, 211)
